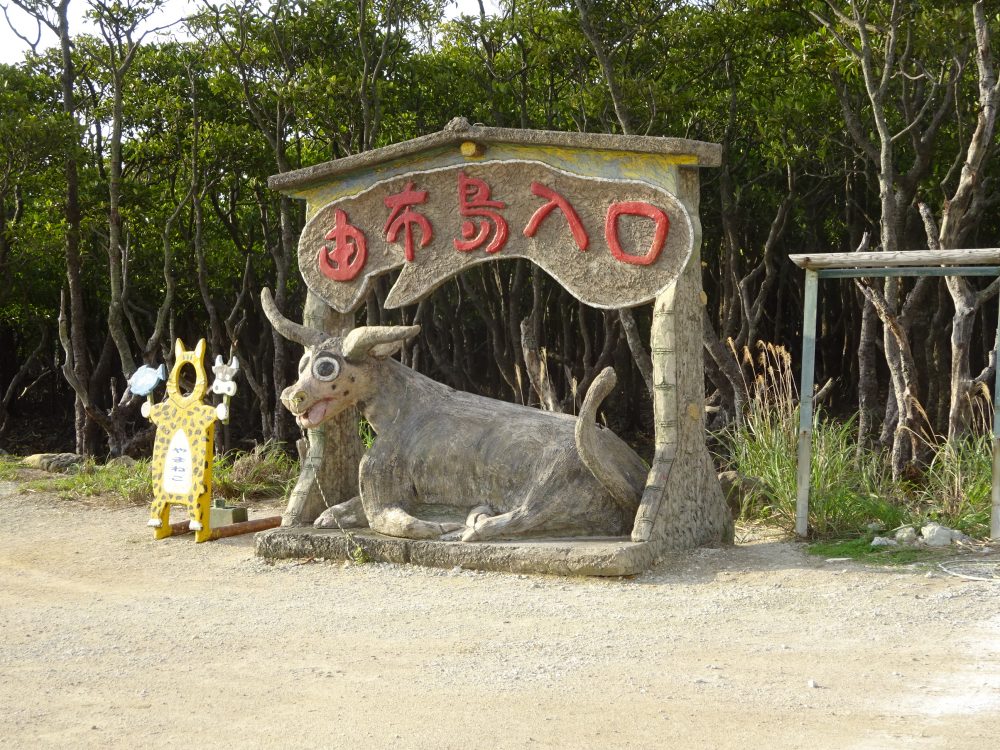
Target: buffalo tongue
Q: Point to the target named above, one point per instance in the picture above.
(316, 412)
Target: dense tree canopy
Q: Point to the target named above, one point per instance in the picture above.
(134, 205)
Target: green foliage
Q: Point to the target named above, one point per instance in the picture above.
(845, 489)
(358, 554)
(850, 490)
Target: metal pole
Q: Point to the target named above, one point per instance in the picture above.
(995, 514)
(806, 404)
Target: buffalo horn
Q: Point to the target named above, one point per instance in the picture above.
(290, 330)
(361, 341)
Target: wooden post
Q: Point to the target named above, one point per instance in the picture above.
(246, 527)
(329, 466)
(806, 404)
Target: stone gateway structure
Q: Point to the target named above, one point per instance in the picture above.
(614, 219)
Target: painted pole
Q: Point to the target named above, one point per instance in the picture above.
(995, 513)
(853, 265)
(806, 404)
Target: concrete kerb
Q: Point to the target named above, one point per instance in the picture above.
(581, 557)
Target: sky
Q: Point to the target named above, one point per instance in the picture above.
(12, 48)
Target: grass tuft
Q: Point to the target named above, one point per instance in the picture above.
(861, 550)
(846, 490)
(956, 488)
(265, 472)
(9, 468)
(120, 483)
(851, 490)
(367, 433)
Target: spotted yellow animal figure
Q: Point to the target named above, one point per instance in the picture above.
(182, 453)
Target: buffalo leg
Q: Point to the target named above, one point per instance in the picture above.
(346, 515)
(532, 514)
(386, 492)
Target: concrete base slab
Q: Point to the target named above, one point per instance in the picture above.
(577, 556)
(226, 516)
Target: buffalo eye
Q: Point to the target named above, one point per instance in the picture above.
(325, 367)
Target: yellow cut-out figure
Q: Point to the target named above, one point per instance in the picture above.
(182, 453)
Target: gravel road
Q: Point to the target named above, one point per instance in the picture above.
(110, 639)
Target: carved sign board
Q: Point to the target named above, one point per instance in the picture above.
(610, 242)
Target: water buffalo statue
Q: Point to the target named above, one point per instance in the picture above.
(514, 470)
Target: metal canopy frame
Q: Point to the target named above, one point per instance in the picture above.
(857, 265)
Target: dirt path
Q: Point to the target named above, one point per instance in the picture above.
(112, 640)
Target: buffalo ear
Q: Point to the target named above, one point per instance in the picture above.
(380, 351)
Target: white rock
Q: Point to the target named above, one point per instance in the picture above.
(882, 541)
(907, 535)
(959, 538)
(936, 535)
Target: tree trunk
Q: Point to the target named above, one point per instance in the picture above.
(86, 433)
(727, 366)
(282, 260)
(962, 322)
(960, 212)
(867, 375)
(116, 318)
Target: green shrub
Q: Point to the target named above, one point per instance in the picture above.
(849, 489)
(847, 492)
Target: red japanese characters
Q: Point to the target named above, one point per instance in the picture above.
(636, 208)
(350, 251)
(484, 224)
(474, 201)
(403, 217)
